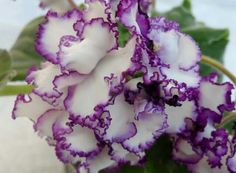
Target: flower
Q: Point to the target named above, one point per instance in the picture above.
(101, 105)
(59, 6)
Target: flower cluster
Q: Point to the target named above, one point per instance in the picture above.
(101, 105)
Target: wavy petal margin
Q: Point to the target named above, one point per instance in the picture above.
(51, 31)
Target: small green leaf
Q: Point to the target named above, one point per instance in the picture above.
(5, 68)
(124, 35)
(23, 52)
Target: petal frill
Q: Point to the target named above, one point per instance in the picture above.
(31, 106)
(177, 115)
(83, 56)
(68, 79)
(121, 155)
(122, 125)
(131, 16)
(60, 6)
(179, 55)
(231, 162)
(203, 166)
(66, 157)
(51, 123)
(98, 9)
(158, 24)
(222, 96)
(94, 92)
(183, 152)
(43, 79)
(50, 33)
(80, 141)
(150, 125)
(95, 164)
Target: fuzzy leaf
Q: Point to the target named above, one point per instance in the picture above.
(5, 68)
(159, 158)
(23, 52)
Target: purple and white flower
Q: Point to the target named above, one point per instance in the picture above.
(101, 105)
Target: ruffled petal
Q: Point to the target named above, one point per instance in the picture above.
(98, 162)
(50, 33)
(68, 79)
(60, 6)
(51, 123)
(231, 162)
(31, 106)
(86, 93)
(122, 125)
(77, 55)
(121, 155)
(80, 141)
(177, 115)
(66, 157)
(203, 167)
(98, 9)
(183, 152)
(150, 125)
(222, 96)
(43, 80)
(131, 17)
(158, 24)
(179, 54)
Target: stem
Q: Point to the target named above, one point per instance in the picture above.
(11, 90)
(227, 119)
(219, 66)
(72, 3)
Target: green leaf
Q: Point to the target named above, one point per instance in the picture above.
(23, 52)
(187, 4)
(127, 169)
(159, 158)
(5, 68)
(212, 42)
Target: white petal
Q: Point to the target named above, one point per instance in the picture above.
(52, 31)
(99, 162)
(177, 49)
(81, 141)
(191, 77)
(43, 80)
(95, 89)
(83, 56)
(184, 152)
(127, 12)
(31, 106)
(50, 120)
(122, 118)
(124, 156)
(176, 116)
(212, 96)
(203, 167)
(59, 6)
(149, 127)
(181, 54)
(96, 9)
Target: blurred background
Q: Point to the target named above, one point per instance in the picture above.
(21, 150)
